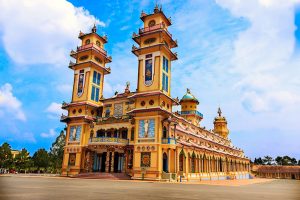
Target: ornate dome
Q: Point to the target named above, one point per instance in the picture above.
(189, 97)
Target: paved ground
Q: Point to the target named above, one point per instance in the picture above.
(39, 188)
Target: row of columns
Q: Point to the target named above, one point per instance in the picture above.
(207, 165)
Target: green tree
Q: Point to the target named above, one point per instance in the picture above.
(299, 162)
(258, 161)
(267, 160)
(22, 160)
(57, 152)
(6, 158)
(286, 160)
(278, 160)
(293, 161)
(41, 159)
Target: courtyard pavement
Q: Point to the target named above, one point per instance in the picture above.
(40, 188)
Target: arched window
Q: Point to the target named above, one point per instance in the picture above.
(88, 41)
(98, 43)
(164, 132)
(107, 112)
(124, 133)
(116, 133)
(101, 133)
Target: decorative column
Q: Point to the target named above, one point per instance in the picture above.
(175, 160)
(124, 162)
(107, 162)
(112, 161)
(169, 160)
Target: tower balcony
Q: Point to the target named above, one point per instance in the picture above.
(191, 112)
(88, 47)
(108, 140)
(154, 28)
(91, 46)
(157, 47)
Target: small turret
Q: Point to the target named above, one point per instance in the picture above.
(189, 108)
(220, 125)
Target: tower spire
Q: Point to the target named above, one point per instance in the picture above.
(219, 112)
(94, 29)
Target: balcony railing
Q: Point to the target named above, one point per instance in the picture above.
(168, 141)
(154, 28)
(110, 140)
(89, 46)
(191, 112)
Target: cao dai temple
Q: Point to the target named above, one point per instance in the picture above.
(135, 133)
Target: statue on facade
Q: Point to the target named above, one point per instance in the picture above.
(74, 134)
(146, 127)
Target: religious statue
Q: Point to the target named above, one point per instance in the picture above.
(146, 127)
(74, 134)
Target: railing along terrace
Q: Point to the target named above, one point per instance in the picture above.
(191, 112)
(153, 28)
(91, 45)
(168, 141)
(114, 140)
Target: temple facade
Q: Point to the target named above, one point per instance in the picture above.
(137, 132)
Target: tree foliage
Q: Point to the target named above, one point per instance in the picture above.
(57, 152)
(41, 159)
(22, 160)
(6, 158)
(279, 160)
(47, 161)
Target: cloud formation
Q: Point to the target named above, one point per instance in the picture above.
(50, 134)
(10, 106)
(55, 110)
(42, 31)
(264, 56)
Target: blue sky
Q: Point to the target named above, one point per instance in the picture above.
(241, 55)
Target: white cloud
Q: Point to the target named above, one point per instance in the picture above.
(42, 31)
(51, 134)
(55, 110)
(10, 106)
(264, 54)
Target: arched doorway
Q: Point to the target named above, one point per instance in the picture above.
(293, 176)
(116, 161)
(103, 160)
(165, 162)
(164, 132)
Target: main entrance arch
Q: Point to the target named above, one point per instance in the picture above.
(165, 162)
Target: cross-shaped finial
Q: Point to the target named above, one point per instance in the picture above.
(188, 90)
(219, 112)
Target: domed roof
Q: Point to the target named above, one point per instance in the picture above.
(189, 97)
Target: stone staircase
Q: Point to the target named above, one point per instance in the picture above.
(103, 175)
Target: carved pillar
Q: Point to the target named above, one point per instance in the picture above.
(112, 161)
(107, 161)
(124, 162)
(175, 160)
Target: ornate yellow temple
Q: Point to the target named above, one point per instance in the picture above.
(136, 132)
